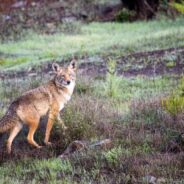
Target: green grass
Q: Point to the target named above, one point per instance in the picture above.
(37, 170)
(135, 88)
(127, 110)
(94, 39)
(140, 135)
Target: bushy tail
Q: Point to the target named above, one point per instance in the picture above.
(7, 122)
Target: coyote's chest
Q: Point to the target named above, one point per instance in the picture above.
(66, 96)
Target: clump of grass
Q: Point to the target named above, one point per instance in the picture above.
(125, 15)
(174, 104)
(147, 111)
(89, 118)
(36, 170)
(84, 85)
(111, 87)
(9, 62)
(70, 28)
(179, 6)
(112, 83)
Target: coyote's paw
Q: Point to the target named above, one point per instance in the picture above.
(39, 147)
(48, 144)
(9, 151)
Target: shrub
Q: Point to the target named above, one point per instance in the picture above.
(113, 82)
(174, 104)
(125, 15)
(178, 6)
(112, 156)
(147, 112)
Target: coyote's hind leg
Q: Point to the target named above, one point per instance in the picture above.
(13, 133)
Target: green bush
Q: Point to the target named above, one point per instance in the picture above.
(113, 155)
(125, 15)
(113, 82)
(178, 6)
(174, 104)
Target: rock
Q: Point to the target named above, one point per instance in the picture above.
(32, 74)
(161, 181)
(73, 147)
(50, 25)
(150, 179)
(95, 59)
(51, 28)
(6, 17)
(19, 4)
(69, 19)
(80, 145)
(107, 143)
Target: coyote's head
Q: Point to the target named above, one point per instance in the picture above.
(65, 76)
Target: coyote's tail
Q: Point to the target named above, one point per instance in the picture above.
(7, 122)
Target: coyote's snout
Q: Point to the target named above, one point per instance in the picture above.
(49, 98)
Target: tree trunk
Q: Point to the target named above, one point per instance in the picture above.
(145, 9)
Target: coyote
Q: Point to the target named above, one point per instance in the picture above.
(48, 99)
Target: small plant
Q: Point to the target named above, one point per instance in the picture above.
(113, 155)
(178, 6)
(174, 104)
(112, 86)
(70, 28)
(146, 147)
(125, 15)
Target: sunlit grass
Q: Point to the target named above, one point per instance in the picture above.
(97, 38)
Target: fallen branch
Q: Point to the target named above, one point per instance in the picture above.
(81, 145)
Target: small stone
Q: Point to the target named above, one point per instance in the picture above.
(161, 180)
(150, 179)
(19, 4)
(69, 19)
(81, 145)
(32, 74)
(107, 143)
(50, 25)
(72, 148)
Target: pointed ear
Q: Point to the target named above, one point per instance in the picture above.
(73, 65)
(55, 67)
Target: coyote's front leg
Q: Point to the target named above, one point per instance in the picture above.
(52, 117)
(61, 122)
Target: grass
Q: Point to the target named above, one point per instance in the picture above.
(94, 39)
(147, 140)
(43, 170)
(141, 135)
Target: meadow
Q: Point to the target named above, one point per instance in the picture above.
(129, 89)
(102, 39)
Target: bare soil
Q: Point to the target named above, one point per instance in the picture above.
(151, 63)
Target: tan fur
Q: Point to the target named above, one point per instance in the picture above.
(32, 105)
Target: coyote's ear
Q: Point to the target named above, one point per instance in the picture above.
(73, 65)
(56, 68)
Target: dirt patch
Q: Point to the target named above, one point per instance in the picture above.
(158, 62)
